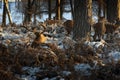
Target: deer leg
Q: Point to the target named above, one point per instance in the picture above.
(94, 37)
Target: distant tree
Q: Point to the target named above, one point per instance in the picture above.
(101, 7)
(111, 10)
(49, 9)
(6, 11)
(61, 8)
(82, 18)
(58, 10)
(4, 15)
(118, 9)
(0, 3)
(72, 9)
(29, 11)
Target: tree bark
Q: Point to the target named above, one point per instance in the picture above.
(111, 10)
(4, 15)
(28, 12)
(118, 9)
(6, 11)
(99, 8)
(49, 9)
(61, 8)
(58, 10)
(72, 9)
(82, 18)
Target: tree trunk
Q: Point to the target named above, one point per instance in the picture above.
(6, 11)
(61, 8)
(35, 7)
(101, 8)
(28, 12)
(0, 3)
(111, 10)
(4, 15)
(118, 9)
(72, 9)
(58, 9)
(82, 18)
(49, 9)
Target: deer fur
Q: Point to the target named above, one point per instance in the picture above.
(40, 38)
(68, 26)
(104, 27)
(110, 29)
(52, 22)
(100, 29)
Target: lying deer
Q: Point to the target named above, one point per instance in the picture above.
(40, 38)
(68, 26)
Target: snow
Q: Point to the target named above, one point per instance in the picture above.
(96, 44)
(8, 35)
(31, 73)
(66, 73)
(114, 55)
(83, 68)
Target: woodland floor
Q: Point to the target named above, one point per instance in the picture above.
(59, 58)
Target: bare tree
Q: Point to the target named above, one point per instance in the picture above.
(29, 11)
(82, 18)
(58, 10)
(111, 10)
(118, 9)
(101, 8)
(6, 11)
(72, 8)
(49, 9)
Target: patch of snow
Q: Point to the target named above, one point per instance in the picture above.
(96, 44)
(31, 70)
(31, 73)
(66, 73)
(8, 35)
(29, 78)
(114, 55)
(83, 68)
(45, 79)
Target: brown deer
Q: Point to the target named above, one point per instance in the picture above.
(110, 29)
(52, 22)
(104, 27)
(99, 28)
(40, 38)
(68, 26)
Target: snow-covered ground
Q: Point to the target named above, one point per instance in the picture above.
(16, 35)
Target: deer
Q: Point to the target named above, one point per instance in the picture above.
(104, 27)
(110, 29)
(52, 22)
(68, 26)
(99, 29)
(40, 37)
